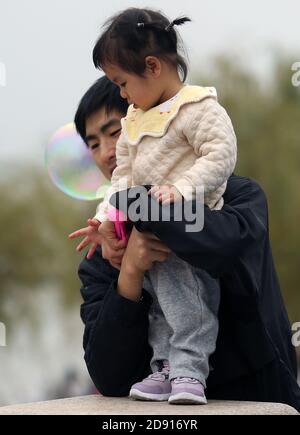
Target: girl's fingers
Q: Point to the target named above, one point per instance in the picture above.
(153, 190)
(167, 201)
(92, 251)
(158, 196)
(78, 233)
(85, 242)
(93, 222)
(167, 195)
(161, 193)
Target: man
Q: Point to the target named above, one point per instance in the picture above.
(254, 357)
(98, 122)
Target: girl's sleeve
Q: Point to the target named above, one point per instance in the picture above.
(209, 131)
(121, 177)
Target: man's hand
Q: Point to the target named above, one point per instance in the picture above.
(113, 249)
(166, 194)
(92, 237)
(142, 250)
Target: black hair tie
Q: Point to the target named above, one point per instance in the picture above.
(158, 25)
(177, 22)
(170, 26)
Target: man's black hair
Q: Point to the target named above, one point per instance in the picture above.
(134, 34)
(102, 94)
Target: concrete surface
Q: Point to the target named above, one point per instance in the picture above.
(99, 405)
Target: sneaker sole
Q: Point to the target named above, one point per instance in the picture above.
(139, 395)
(186, 399)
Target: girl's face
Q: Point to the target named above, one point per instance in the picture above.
(143, 92)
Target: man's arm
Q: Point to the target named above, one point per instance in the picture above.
(115, 339)
(227, 233)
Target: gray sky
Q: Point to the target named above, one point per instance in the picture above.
(45, 49)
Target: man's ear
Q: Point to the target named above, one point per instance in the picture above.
(153, 66)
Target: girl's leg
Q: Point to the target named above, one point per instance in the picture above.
(159, 331)
(155, 387)
(189, 300)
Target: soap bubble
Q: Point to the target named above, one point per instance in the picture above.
(71, 166)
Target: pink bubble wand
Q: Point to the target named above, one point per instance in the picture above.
(119, 218)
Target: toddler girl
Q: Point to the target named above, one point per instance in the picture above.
(177, 138)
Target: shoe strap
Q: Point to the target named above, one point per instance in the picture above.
(158, 376)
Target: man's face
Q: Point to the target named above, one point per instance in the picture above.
(102, 133)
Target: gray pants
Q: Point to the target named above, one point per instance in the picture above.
(183, 322)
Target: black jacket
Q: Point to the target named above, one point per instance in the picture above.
(254, 357)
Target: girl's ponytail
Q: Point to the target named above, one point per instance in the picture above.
(177, 22)
(160, 25)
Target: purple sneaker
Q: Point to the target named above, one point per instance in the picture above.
(187, 391)
(156, 386)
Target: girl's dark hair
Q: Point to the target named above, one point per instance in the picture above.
(102, 94)
(132, 35)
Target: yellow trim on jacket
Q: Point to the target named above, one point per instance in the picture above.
(155, 123)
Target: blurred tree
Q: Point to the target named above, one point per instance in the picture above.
(265, 114)
(35, 221)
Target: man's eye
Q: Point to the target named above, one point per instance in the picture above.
(123, 84)
(93, 147)
(114, 133)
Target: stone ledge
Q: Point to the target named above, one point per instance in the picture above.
(99, 405)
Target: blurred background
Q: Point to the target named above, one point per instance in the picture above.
(245, 49)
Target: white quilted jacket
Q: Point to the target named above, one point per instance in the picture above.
(190, 143)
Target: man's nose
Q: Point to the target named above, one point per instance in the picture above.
(111, 154)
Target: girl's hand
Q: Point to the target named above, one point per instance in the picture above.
(92, 237)
(113, 249)
(166, 194)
